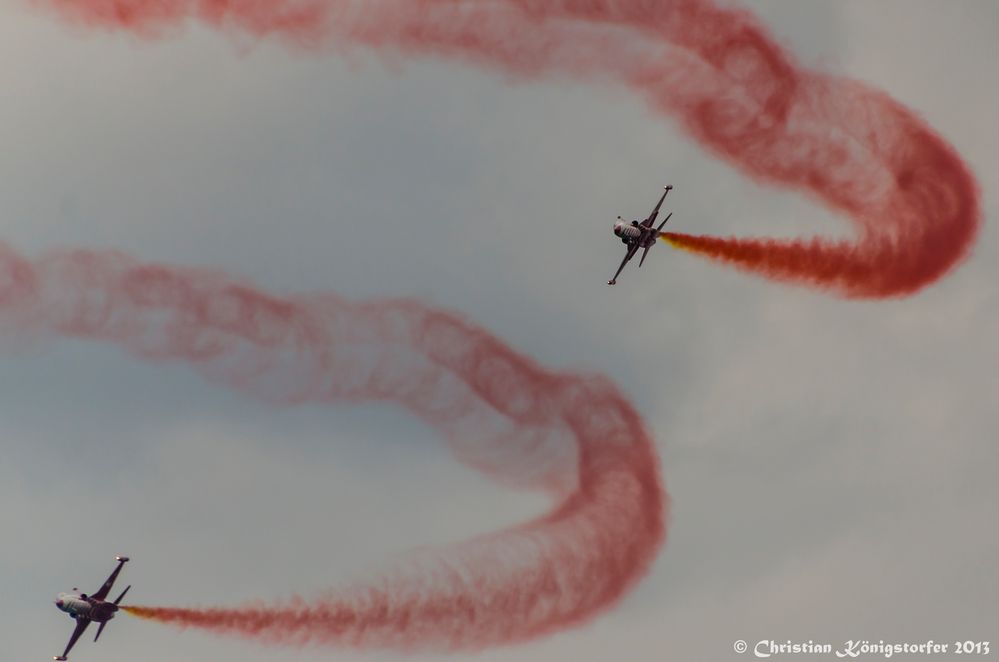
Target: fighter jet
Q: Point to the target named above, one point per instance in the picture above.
(637, 235)
(86, 609)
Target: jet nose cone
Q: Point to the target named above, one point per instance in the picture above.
(59, 603)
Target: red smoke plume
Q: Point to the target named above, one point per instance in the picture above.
(722, 77)
(716, 71)
(572, 436)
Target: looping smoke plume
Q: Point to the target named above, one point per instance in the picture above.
(716, 71)
(573, 437)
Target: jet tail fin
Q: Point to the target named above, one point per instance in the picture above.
(644, 253)
(99, 630)
(660, 228)
(122, 594)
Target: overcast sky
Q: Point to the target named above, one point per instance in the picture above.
(832, 464)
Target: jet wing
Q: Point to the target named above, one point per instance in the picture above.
(103, 591)
(632, 249)
(655, 212)
(81, 625)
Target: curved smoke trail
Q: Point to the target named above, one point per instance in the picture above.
(722, 77)
(574, 437)
(716, 70)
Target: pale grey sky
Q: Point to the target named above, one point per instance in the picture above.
(832, 465)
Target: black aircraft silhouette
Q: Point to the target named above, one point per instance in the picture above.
(85, 609)
(637, 235)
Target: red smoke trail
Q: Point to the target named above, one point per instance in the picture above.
(574, 437)
(720, 74)
(913, 202)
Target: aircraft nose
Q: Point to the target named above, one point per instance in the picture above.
(58, 603)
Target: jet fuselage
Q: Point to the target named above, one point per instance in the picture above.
(78, 606)
(630, 233)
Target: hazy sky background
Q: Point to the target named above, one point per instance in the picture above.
(832, 464)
